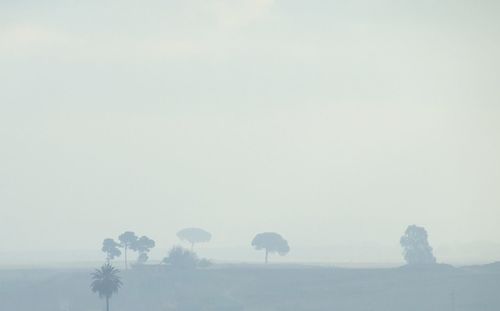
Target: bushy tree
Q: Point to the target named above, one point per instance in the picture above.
(194, 235)
(416, 248)
(271, 242)
(106, 281)
(111, 248)
(180, 258)
(142, 245)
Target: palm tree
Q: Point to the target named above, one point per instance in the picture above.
(106, 282)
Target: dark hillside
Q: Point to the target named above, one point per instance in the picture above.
(248, 287)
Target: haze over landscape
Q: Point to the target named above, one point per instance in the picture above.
(249, 155)
(335, 123)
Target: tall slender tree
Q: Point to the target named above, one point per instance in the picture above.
(106, 282)
(127, 239)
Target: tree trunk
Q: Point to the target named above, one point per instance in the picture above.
(267, 253)
(107, 303)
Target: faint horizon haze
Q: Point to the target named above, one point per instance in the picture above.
(333, 123)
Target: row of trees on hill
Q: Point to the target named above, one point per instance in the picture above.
(415, 244)
(270, 242)
(143, 245)
(106, 280)
(128, 241)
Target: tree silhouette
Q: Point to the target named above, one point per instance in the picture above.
(181, 258)
(111, 248)
(142, 245)
(127, 239)
(271, 242)
(416, 248)
(194, 235)
(106, 282)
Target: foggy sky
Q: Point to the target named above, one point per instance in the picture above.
(330, 122)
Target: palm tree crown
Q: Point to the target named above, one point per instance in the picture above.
(106, 281)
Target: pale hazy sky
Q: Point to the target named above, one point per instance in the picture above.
(330, 122)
